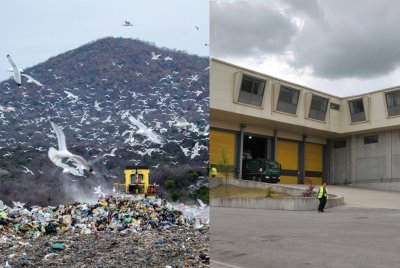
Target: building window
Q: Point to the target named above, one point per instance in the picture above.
(251, 91)
(357, 112)
(318, 108)
(335, 106)
(393, 103)
(339, 144)
(288, 100)
(371, 139)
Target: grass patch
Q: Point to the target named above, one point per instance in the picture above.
(231, 191)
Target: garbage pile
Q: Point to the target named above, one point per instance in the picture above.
(51, 236)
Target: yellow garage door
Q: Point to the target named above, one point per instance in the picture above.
(313, 163)
(222, 146)
(287, 154)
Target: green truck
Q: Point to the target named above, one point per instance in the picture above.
(261, 169)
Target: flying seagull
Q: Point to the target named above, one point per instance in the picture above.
(27, 170)
(17, 73)
(56, 156)
(145, 131)
(31, 80)
(154, 56)
(202, 205)
(127, 23)
(112, 153)
(181, 122)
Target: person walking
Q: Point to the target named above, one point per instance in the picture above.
(322, 196)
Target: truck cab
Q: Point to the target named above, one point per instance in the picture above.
(261, 169)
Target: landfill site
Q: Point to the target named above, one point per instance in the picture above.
(117, 231)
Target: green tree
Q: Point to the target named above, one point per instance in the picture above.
(224, 167)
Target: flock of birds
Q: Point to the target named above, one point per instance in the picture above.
(128, 23)
(141, 124)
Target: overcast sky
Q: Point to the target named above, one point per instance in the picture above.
(33, 31)
(340, 47)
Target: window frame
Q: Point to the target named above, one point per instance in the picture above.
(253, 92)
(318, 111)
(339, 144)
(396, 103)
(371, 139)
(284, 103)
(354, 114)
(334, 106)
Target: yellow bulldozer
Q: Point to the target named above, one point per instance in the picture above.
(137, 182)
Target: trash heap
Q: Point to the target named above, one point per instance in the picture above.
(153, 222)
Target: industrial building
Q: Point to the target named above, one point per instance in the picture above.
(313, 135)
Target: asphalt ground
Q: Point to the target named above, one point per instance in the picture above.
(365, 232)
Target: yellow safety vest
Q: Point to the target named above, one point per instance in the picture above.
(213, 171)
(321, 192)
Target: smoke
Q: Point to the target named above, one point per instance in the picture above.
(82, 189)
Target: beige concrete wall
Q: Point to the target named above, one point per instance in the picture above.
(367, 163)
(340, 165)
(225, 82)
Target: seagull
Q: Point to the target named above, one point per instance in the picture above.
(32, 81)
(145, 131)
(27, 170)
(197, 224)
(127, 23)
(68, 169)
(56, 156)
(97, 106)
(181, 122)
(202, 205)
(71, 96)
(195, 151)
(7, 109)
(18, 204)
(185, 150)
(17, 73)
(111, 154)
(97, 190)
(108, 120)
(148, 151)
(154, 56)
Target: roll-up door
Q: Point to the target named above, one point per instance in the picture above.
(222, 143)
(287, 154)
(313, 163)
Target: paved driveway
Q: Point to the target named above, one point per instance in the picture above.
(365, 232)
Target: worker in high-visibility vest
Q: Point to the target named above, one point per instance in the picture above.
(322, 196)
(213, 172)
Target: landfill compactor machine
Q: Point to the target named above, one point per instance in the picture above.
(137, 182)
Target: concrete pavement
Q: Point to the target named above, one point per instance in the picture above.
(362, 233)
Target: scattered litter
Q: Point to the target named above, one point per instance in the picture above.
(57, 246)
(118, 230)
(50, 255)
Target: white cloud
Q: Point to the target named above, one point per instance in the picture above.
(337, 46)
